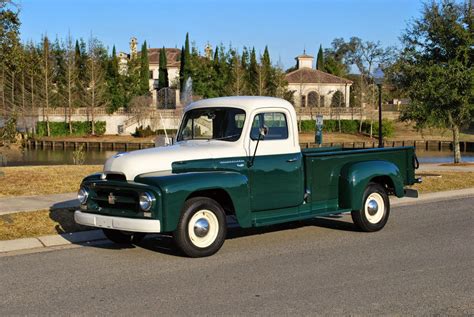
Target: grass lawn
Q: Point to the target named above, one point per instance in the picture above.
(42, 180)
(442, 181)
(38, 223)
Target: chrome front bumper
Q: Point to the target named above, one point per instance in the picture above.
(117, 223)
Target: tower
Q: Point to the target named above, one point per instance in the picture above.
(208, 51)
(133, 47)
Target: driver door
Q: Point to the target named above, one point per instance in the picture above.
(276, 177)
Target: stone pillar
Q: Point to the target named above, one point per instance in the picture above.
(347, 95)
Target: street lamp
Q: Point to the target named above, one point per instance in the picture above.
(378, 79)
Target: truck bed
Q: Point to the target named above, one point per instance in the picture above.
(322, 168)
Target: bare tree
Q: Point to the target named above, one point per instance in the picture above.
(139, 108)
(96, 91)
(71, 79)
(47, 74)
(238, 74)
(367, 55)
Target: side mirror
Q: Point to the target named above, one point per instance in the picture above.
(263, 131)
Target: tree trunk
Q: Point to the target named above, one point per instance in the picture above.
(34, 113)
(13, 93)
(4, 107)
(456, 148)
(46, 90)
(69, 99)
(92, 109)
(23, 102)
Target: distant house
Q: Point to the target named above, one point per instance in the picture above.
(173, 64)
(315, 88)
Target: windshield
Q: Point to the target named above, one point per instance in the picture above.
(212, 124)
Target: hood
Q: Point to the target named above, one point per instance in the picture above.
(159, 159)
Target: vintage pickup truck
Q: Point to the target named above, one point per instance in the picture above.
(239, 157)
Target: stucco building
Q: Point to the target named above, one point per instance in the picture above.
(315, 88)
(173, 64)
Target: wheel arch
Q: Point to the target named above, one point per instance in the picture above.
(230, 189)
(220, 195)
(355, 177)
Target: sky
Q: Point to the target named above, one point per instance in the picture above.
(287, 27)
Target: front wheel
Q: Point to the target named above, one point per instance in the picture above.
(375, 209)
(122, 237)
(202, 227)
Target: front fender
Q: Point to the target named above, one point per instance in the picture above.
(355, 177)
(176, 188)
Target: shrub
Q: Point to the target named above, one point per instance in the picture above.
(141, 132)
(79, 128)
(350, 126)
(8, 132)
(388, 128)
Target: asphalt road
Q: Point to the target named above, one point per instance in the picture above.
(421, 263)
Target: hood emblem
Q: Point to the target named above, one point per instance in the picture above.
(111, 199)
(119, 154)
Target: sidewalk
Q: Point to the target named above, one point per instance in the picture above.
(9, 205)
(437, 167)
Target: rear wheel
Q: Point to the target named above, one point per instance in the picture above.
(123, 237)
(202, 228)
(375, 209)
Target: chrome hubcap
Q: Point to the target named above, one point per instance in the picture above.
(372, 207)
(201, 227)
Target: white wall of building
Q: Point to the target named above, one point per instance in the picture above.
(326, 90)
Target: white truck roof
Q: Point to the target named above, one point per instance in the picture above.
(247, 103)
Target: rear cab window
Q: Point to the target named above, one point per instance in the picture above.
(275, 122)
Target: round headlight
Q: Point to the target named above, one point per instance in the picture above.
(146, 201)
(82, 195)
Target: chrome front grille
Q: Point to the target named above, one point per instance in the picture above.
(116, 199)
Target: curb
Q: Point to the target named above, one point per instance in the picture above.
(51, 241)
(85, 237)
(433, 197)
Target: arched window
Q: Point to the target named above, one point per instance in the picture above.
(303, 101)
(313, 99)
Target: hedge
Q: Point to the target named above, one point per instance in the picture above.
(350, 126)
(79, 128)
(141, 132)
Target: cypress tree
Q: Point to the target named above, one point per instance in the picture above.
(185, 66)
(144, 71)
(216, 55)
(163, 70)
(80, 57)
(269, 87)
(115, 88)
(253, 79)
(181, 69)
(320, 59)
(245, 58)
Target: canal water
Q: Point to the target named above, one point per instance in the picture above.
(93, 157)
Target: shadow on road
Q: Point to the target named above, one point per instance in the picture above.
(327, 222)
(164, 243)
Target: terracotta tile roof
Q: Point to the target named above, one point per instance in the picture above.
(304, 56)
(309, 76)
(172, 56)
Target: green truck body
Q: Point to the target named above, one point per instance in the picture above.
(257, 190)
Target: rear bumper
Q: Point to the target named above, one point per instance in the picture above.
(117, 223)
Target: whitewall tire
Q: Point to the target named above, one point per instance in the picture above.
(375, 209)
(202, 227)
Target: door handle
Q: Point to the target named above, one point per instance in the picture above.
(240, 165)
(292, 160)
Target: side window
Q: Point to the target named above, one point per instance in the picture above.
(274, 121)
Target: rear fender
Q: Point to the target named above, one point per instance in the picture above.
(355, 178)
